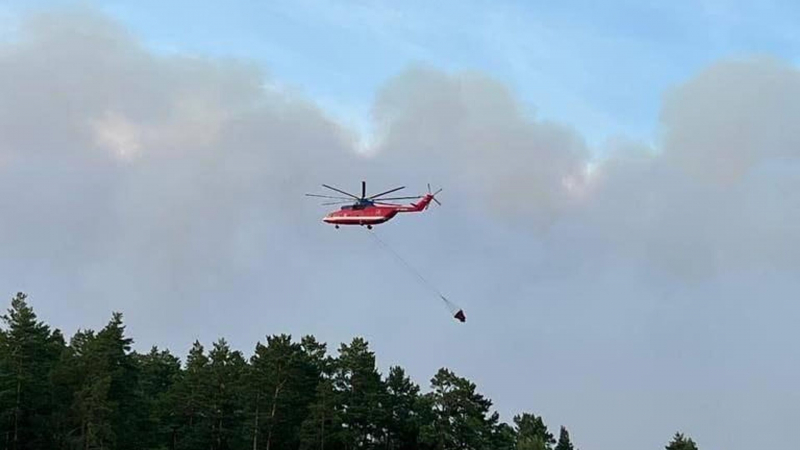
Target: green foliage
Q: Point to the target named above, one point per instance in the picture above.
(107, 408)
(358, 385)
(226, 371)
(160, 372)
(96, 392)
(504, 437)
(402, 420)
(460, 417)
(281, 381)
(563, 440)
(680, 442)
(532, 433)
(189, 402)
(322, 428)
(29, 352)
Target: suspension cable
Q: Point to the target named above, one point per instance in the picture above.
(459, 314)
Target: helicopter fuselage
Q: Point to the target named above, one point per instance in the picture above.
(371, 214)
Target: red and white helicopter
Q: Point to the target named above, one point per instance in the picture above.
(372, 210)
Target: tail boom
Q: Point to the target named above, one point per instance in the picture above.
(419, 206)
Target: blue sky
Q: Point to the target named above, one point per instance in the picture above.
(601, 69)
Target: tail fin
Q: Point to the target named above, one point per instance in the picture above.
(426, 200)
(423, 204)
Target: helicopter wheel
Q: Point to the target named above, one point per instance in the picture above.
(369, 227)
(336, 226)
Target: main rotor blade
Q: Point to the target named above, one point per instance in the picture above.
(337, 203)
(387, 192)
(327, 196)
(363, 189)
(401, 198)
(386, 204)
(341, 191)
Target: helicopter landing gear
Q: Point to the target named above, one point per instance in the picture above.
(336, 226)
(369, 227)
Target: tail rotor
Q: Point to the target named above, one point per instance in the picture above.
(433, 196)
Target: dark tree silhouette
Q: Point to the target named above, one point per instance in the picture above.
(96, 392)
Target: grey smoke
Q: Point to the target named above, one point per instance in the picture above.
(733, 117)
(714, 195)
(110, 145)
(157, 176)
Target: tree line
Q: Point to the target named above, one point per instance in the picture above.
(95, 392)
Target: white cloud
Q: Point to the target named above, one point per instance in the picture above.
(694, 208)
(117, 134)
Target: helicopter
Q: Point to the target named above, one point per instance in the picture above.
(372, 210)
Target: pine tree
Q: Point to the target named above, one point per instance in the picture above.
(160, 372)
(532, 433)
(359, 386)
(403, 422)
(564, 442)
(227, 369)
(322, 427)
(29, 351)
(460, 417)
(129, 415)
(96, 393)
(190, 400)
(504, 437)
(680, 442)
(317, 354)
(104, 373)
(282, 382)
(90, 380)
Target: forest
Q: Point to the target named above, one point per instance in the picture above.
(94, 392)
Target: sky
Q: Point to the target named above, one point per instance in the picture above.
(620, 193)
